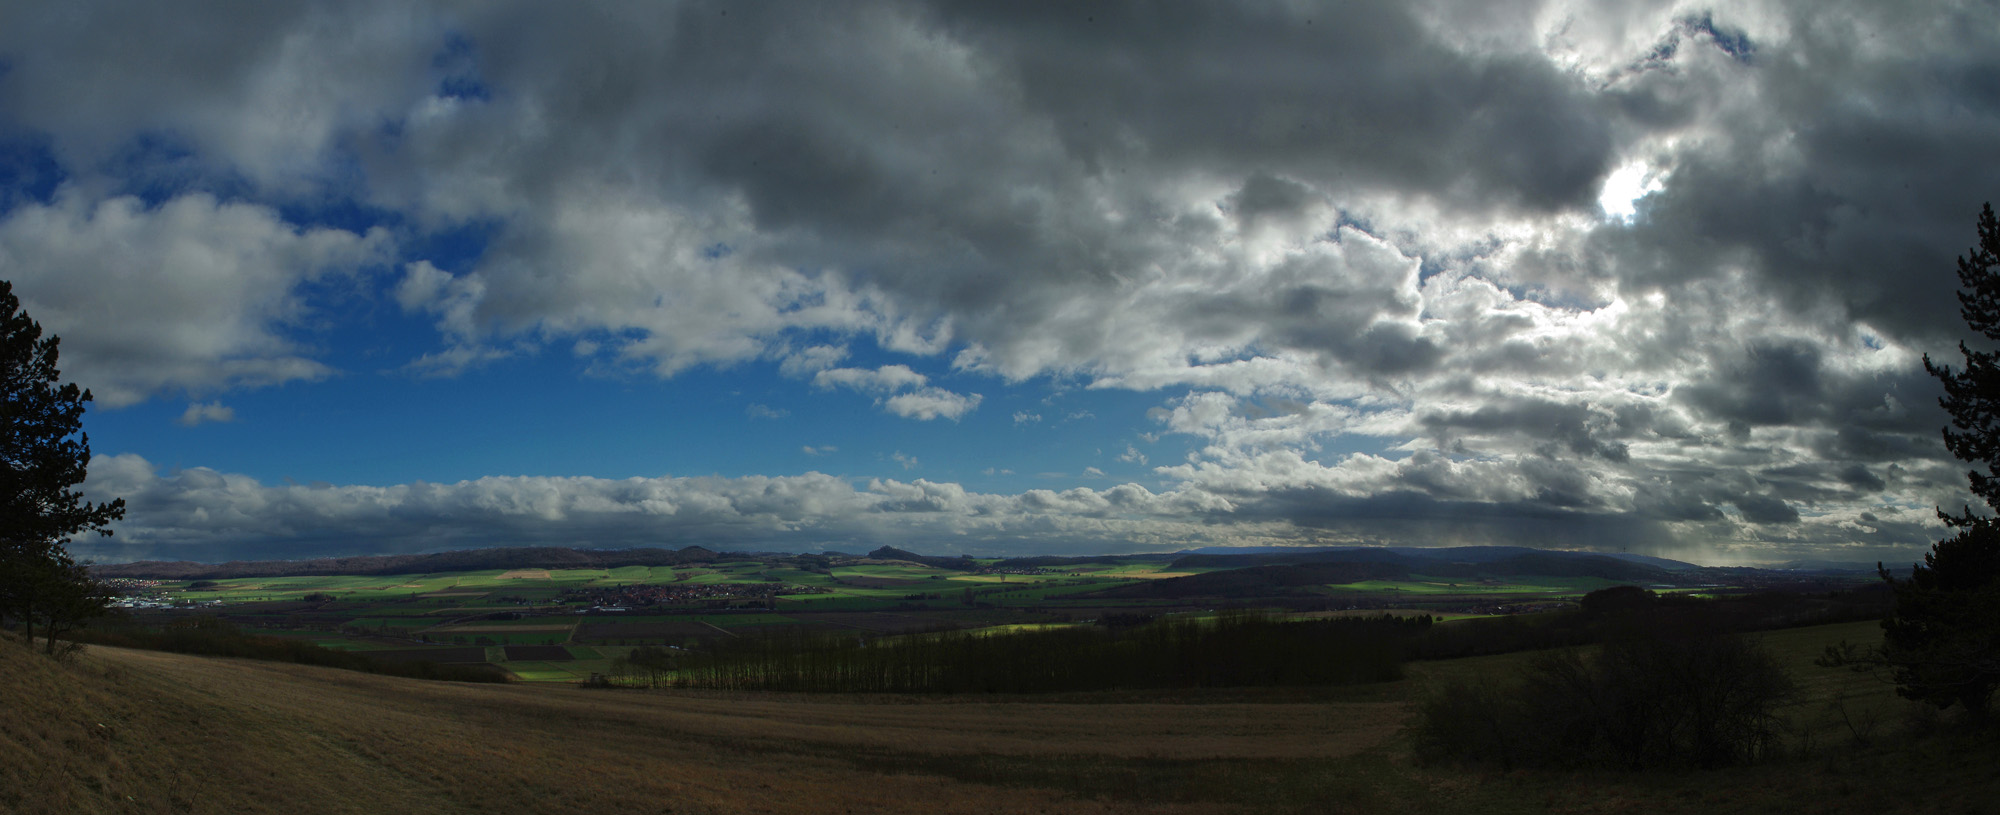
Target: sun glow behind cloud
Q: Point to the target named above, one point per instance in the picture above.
(1625, 186)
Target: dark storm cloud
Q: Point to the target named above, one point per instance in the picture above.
(1764, 509)
(1858, 161)
(1394, 518)
(846, 137)
(1769, 385)
(1359, 94)
(1579, 428)
(1863, 416)
(1859, 477)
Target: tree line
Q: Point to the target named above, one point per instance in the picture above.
(215, 637)
(1233, 650)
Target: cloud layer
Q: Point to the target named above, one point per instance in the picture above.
(1363, 256)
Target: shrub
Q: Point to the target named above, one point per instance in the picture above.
(1665, 693)
(1618, 600)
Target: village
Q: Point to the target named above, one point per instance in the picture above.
(146, 594)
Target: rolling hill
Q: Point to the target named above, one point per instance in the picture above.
(124, 731)
(466, 560)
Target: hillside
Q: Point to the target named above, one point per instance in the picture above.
(893, 553)
(141, 732)
(136, 731)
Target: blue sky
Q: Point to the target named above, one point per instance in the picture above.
(379, 427)
(1002, 278)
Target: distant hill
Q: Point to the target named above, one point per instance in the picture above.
(1258, 581)
(1296, 556)
(1473, 561)
(1849, 566)
(893, 553)
(1454, 554)
(1659, 562)
(1570, 564)
(1059, 561)
(1289, 572)
(467, 560)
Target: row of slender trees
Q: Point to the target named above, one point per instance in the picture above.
(1235, 650)
(43, 456)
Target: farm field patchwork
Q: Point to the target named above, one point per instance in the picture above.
(693, 603)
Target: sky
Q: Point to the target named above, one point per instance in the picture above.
(1003, 278)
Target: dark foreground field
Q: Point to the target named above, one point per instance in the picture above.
(137, 731)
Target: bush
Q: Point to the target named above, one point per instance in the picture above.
(1618, 600)
(1942, 643)
(1675, 693)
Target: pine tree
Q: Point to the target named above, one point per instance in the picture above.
(43, 456)
(1972, 396)
(1942, 642)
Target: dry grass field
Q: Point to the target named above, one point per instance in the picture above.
(133, 731)
(139, 731)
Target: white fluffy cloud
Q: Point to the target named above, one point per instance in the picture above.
(198, 412)
(222, 514)
(886, 379)
(932, 403)
(193, 295)
(904, 391)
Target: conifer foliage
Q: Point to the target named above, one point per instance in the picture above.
(1972, 395)
(1943, 640)
(43, 456)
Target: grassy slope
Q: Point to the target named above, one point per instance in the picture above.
(184, 734)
